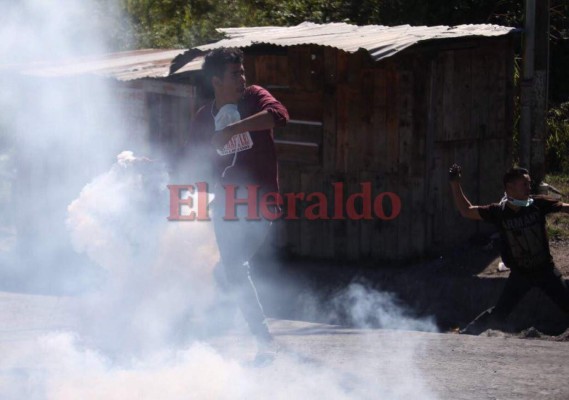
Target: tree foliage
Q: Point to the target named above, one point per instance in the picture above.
(557, 144)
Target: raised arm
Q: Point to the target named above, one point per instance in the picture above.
(466, 209)
(257, 122)
(270, 113)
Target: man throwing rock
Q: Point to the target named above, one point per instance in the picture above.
(520, 219)
(231, 147)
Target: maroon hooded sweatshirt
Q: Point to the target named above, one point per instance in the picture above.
(255, 166)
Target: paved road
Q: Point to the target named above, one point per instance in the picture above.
(317, 361)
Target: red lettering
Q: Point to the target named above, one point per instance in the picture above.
(291, 204)
(321, 205)
(338, 200)
(271, 204)
(231, 202)
(395, 206)
(203, 211)
(176, 202)
(277, 203)
(365, 196)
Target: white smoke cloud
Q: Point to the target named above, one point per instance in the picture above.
(151, 287)
(39, 30)
(80, 222)
(364, 307)
(159, 273)
(56, 133)
(66, 369)
(132, 338)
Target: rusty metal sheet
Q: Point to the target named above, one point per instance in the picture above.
(379, 41)
(124, 66)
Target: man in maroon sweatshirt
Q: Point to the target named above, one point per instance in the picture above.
(231, 145)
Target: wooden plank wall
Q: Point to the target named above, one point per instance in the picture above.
(166, 110)
(398, 124)
(295, 79)
(170, 118)
(472, 123)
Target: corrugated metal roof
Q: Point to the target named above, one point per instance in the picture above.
(124, 66)
(194, 65)
(379, 41)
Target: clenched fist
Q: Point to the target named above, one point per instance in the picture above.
(454, 173)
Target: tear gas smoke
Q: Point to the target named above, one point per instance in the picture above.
(362, 306)
(134, 337)
(143, 316)
(156, 270)
(56, 133)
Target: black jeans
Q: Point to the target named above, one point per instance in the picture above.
(238, 241)
(518, 284)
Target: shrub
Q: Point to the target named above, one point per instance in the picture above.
(557, 143)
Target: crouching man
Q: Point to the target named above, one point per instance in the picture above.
(520, 219)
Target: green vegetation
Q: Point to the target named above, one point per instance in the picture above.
(557, 145)
(558, 224)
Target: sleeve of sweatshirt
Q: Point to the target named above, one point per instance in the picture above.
(266, 102)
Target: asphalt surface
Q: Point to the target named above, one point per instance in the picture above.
(366, 363)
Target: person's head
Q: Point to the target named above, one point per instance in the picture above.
(223, 69)
(517, 183)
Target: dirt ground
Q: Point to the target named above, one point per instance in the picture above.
(316, 361)
(560, 252)
(453, 288)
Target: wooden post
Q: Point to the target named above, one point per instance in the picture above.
(527, 83)
(540, 86)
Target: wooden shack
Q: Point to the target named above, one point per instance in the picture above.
(392, 106)
(398, 122)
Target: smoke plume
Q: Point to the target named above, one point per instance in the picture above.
(102, 297)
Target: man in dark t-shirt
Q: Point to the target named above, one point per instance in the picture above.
(231, 147)
(520, 219)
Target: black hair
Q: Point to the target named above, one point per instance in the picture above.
(513, 174)
(216, 60)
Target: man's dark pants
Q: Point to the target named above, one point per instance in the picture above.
(548, 279)
(238, 241)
